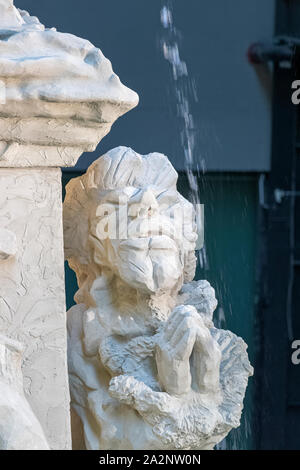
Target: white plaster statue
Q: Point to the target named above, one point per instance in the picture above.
(19, 427)
(148, 369)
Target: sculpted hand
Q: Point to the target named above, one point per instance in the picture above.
(186, 354)
(181, 421)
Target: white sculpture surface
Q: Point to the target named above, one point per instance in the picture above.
(58, 98)
(19, 427)
(148, 369)
(8, 244)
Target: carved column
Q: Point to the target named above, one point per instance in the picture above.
(59, 97)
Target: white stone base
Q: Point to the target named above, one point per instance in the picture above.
(32, 296)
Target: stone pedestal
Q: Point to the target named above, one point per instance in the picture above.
(32, 294)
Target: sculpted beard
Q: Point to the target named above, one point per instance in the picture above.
(151, 264)
(150, 259)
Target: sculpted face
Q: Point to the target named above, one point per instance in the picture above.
(141, 236)
(126, 216)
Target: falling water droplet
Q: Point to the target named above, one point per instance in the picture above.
(185, 92)
(166, 17)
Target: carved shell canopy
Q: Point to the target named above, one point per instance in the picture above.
(61, 86)
(47, 64)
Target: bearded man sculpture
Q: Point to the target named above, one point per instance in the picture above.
(148, 369)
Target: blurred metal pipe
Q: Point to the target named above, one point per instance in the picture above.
(280, 49)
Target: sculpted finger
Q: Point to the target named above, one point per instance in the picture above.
(204, 340)
(189, 322)
(185, 346)
(179, 314)
(176, 317)
(184, 326)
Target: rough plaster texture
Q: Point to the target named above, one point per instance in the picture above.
(32, 297)
(148, 369)
(58, 98)
(8, 244)
(19, 427)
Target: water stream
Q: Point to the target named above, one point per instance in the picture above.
(185, 94)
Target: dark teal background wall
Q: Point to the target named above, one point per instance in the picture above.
(215, 36)
(231, 221)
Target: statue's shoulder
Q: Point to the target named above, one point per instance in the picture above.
(74, 321)
(84, 329)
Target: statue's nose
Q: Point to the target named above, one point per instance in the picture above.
(148, 199)
(144, 204)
